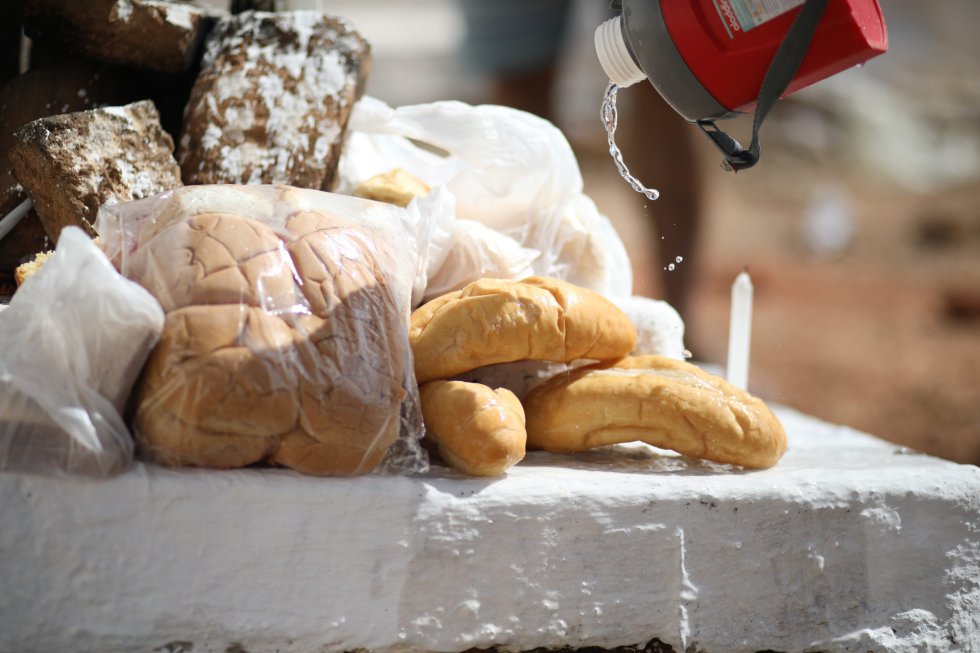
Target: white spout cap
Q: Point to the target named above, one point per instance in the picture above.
(614, 55)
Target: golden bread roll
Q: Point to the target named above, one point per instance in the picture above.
(288, 348)
(494, 321)
(206, 398)
(476, 429)
(397, 186)
(25, 270)
(216, 258)
(661, 401)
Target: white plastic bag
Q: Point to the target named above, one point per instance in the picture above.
(659, 327)
(508, 170)
(73, 341)
(461, 251)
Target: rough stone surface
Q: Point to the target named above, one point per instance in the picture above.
(150, 34)
(69, 86)
(273, 99)
(74, 163)
(848, 544)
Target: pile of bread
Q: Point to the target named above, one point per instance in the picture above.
(288, 341)
(289, 336)
(481, 430)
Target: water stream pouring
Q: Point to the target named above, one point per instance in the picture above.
(715, 59)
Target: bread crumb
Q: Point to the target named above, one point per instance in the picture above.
(25, 270)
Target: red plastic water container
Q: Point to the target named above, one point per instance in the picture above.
(708, 57)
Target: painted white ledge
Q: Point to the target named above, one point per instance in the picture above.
(847, 545)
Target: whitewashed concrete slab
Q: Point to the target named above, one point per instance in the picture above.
(849, 544)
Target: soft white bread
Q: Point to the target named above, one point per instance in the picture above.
(216, 258)
(285, 347)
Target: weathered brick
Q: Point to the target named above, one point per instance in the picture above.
(150, 34)
(272, 101)
(74, 163)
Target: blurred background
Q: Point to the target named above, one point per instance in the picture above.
(860, 227)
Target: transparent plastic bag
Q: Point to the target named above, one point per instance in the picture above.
(286, 328)
(73, 340)
(461, 251)
(509, 171)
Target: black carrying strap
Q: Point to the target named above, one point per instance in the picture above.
(781, 70)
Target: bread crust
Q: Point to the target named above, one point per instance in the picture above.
(272, 100)
(206, 398)
(216, 258)
(664, 402)
(397, 186)
(477, 430)
(287, 348)
(494, 321)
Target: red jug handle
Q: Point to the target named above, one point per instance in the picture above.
(780, 73)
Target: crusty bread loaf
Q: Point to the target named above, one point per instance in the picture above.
(661, 401)
(286, 347)
(150, 34)
(72, 85)
(477, 430)
(501, 320)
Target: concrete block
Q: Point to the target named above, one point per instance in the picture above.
(848, 544)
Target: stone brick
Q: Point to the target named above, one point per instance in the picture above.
(70, 86)
(74, 163)
(150, 34)
(272, 101)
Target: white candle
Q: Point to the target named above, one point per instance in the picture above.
(740, 331)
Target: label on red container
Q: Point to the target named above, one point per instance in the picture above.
(742, 15)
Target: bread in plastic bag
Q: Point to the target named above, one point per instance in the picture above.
(73, 340)
(286, 328)
(510, 171)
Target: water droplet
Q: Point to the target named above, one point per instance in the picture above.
(671, 267)
(679, 259)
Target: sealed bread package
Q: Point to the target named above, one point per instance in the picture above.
(285, 340)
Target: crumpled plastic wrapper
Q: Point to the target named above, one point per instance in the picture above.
(507, 195)
(74, 339)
